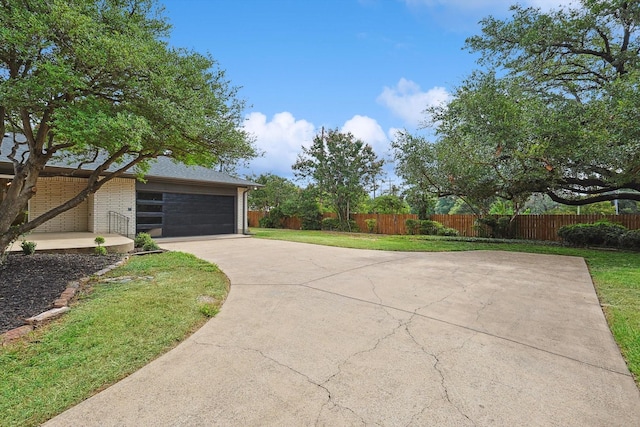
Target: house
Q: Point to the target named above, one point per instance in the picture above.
(175, 201)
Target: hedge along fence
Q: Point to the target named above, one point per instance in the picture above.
(536, 227)
(385, 223)
(528, 227)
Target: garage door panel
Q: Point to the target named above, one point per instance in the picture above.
(197, 215)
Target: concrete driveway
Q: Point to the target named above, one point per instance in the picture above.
(314, 335)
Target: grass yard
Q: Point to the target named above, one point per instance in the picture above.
(616, 274)
(115, 329)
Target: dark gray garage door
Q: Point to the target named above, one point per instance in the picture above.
(174, 214)
(197, 215)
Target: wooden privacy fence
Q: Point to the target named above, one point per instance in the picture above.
(385, 223)
(528, 227)
(536, 227)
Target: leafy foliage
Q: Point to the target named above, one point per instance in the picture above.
(334, 224)
(601, 233)
(273, 219)
(554, 113)
(630, 240)
(429, 228)
(499, 227)
(389, 204)
(95, 84)
(340, 167)
(371, 224)
(275, 192)
(146, 242)
(28, 248)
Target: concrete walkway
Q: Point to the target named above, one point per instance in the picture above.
(314, 335)
(74, 242)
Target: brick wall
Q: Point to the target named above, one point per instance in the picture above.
(53, 192)
(117, 195)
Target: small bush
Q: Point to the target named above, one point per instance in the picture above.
(100, 250)
(331, 224)
(630, 240)
(312, 221)
(371, 224)
(447, 231)
(602, 233)
(28, 248)
(334, 224)
(273, 219)
(494, 226)
(146, 242)
(430, 228)
(412, 226)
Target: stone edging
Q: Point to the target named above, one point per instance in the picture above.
(60, 306)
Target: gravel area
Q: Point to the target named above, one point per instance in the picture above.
(30, 284)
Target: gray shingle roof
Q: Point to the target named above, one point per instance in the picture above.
(162, 169)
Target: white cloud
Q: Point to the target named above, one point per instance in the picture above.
(369, 131)
(280, 139)
(407, 100)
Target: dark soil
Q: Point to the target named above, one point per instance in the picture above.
(30, 284)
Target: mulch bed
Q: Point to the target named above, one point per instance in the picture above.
(30, 284)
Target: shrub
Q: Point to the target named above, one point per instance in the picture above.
(447, 231)
(331, 224)
(429, 227)
(273, 219)
(630, 240)
(602, 233)
(312, 222)
(100, 250)
(371, 224)
(334, 224)
(412, 226)
(494, 226)
(28, 248)
(144, 241)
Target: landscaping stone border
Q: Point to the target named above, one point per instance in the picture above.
(59, 306)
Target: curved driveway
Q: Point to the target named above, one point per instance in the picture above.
(314, 335)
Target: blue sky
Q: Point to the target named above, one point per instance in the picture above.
(369, 67)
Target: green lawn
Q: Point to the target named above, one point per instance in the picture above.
(616, 274)
(115, 329)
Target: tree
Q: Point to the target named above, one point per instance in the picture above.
(389, 204)
(93, 82)
(276, 190)
(341, 167)
(560, 119)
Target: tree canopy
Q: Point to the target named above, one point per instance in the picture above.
(341, 167)
(275, 192)
(94, 81)
(555, 112)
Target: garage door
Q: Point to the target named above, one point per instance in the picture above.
(197, 215)
(176, 215)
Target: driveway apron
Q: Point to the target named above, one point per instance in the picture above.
(315, 335)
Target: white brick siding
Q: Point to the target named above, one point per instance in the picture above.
(117, 195)
(52, 192)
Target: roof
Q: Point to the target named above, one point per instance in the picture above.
(161, 169)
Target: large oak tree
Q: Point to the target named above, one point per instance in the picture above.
(554, 112)
(95, 82)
